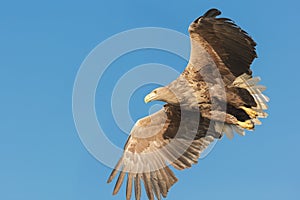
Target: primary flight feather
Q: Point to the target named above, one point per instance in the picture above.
(215, 94)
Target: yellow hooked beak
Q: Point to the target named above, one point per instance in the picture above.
(150, 97)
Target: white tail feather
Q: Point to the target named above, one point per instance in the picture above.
(257, 89)
(219, 127)
(227, 129)
(251, 81)
(261, 101)
(239, 130)
(262, 97)
(251, 84)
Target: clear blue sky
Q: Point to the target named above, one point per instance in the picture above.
(42, 45)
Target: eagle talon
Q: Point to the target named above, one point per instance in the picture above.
(246, 124)
(252, 113)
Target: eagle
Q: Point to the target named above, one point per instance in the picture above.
(216, 94)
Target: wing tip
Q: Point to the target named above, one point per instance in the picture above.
(212, 13)
(111, 176)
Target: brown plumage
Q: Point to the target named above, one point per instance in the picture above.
(229, 42)
(216, 87)
(221, 54)
(158, 140)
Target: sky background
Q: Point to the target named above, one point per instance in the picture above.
(42, 45)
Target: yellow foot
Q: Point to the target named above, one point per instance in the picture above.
(249, 111)
(246, 124)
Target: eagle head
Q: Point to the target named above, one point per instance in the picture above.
(161, 94)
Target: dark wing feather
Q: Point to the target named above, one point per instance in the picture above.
(232, 49)
(155, 141)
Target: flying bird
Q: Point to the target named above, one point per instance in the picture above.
(216, 94)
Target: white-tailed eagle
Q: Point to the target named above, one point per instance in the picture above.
(215, 94)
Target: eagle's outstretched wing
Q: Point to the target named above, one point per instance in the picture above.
(230, 47)
(221, 51)
(165, 137)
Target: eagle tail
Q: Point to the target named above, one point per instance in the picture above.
(251, 84)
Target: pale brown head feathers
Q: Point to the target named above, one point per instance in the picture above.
(161, 94)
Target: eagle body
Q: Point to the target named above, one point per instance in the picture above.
(196, 93)
(214, 95)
